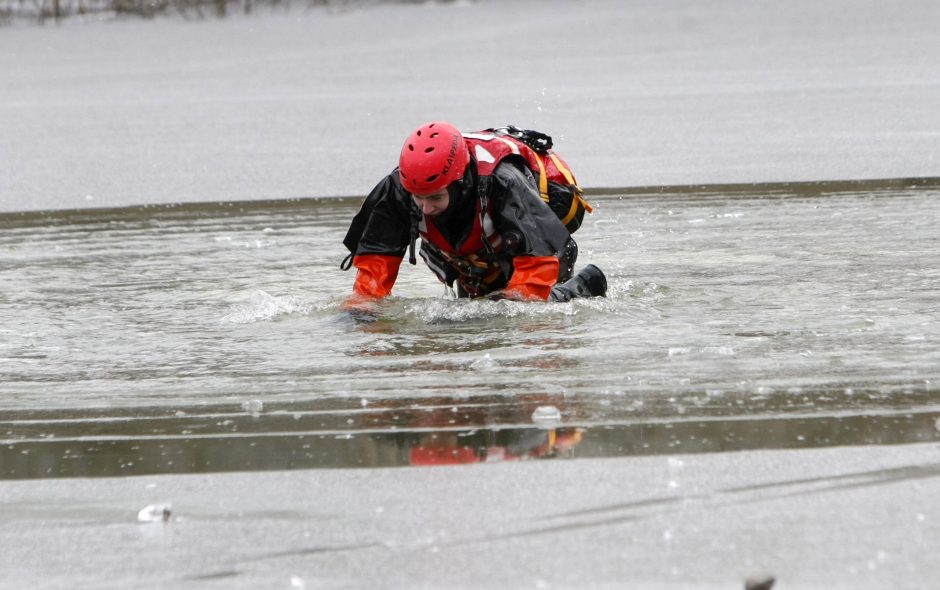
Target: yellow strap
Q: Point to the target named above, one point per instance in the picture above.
(577, 190)
(543, 177)
(587, 206)
(571, 212)
(563, 169)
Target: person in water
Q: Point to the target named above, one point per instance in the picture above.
(483, 225)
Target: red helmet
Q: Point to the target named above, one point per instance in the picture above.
(434, 156)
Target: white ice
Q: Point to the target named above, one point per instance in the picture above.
(316, 102)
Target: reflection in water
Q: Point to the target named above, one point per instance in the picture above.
(440, 431)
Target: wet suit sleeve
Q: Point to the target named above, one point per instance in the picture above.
(536, 234)
(532, 278)
(383, 243)
(375, 275)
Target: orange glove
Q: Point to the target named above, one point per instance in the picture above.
(375, 277)
(532, 278)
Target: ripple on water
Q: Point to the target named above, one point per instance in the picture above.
(172, 307)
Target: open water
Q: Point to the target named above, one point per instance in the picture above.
(201, 338)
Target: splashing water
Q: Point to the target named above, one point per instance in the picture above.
(262, 306)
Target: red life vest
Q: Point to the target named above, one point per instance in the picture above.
(471, 258)
(489, 148)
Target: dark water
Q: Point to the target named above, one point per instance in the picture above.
(209, 338)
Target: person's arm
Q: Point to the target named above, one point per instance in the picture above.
(537, 235)
(375, 275)
(383, 243)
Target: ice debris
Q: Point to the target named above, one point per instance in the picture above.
(546, 414)
(154, 513)
(253, 407)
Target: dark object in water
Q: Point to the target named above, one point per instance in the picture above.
(589, 282)
(759, 582)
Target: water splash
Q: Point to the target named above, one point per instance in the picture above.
(262, 306)
(484, 363)
(437, 311)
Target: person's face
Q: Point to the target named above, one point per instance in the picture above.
(433, 204)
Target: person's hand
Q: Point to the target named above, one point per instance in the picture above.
(509, 294)
(360, 308)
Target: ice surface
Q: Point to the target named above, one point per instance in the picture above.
(843, 518)
(312, 103)
(317, 102)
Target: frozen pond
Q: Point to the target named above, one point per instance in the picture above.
(316, 102)
(206, 338)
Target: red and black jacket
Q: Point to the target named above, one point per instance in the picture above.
(511, 244)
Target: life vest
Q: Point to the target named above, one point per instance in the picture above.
(473, 259)
(557, 185)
